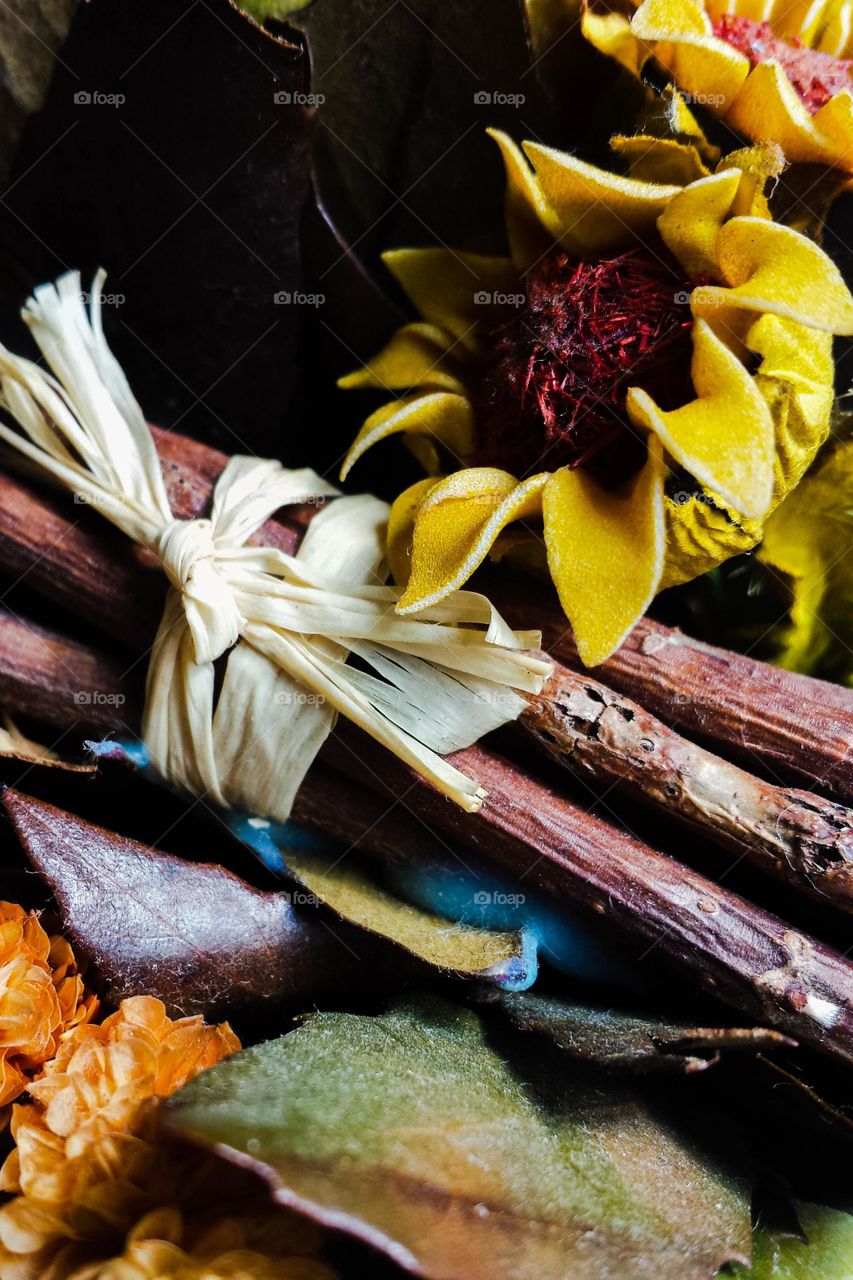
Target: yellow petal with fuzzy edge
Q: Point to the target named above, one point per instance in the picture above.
(775, 269)
(597, 210)
(680, 35)
(453, 290)
(531, 224)
(445, 417)
(455, 527)
(768, 106)
(401, 527)
(835, 122)
(691, 222)
(801, 358)
(605, 551)
(659, 159)
(611, 34)
(415, 357)
(725, 438)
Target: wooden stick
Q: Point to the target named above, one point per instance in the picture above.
(806, 841)
(747, 957)
(795, 836)
(790, 727)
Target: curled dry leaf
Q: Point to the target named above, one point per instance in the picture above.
(192, 934)
(620, 1041)
(347, 886)
(410, 1131)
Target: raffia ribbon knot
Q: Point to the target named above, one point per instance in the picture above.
(424, 686)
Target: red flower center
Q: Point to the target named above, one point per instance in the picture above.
(553, 387)
(816, 76)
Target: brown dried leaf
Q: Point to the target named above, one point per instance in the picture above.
(193, 934)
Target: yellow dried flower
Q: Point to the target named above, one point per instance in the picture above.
(87, 1164)
(649, 374)
(41, 996)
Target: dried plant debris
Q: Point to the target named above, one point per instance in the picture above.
(632, 1042)
(410, 1131)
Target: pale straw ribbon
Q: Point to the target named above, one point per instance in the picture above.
(437, 682)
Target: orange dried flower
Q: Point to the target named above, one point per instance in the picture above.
(101, 1194)
(41, 996)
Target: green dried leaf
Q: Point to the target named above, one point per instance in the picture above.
(348, 887)
(621, 1041)
(825, 1254)
(410, 1131)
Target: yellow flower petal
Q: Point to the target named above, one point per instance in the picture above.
(597, 210)
(659, 159)
(768, 106)
(691, 222)
(836, 23)
(415, 357)
(531, 224)
(835, 122)
(679, 34)
(725, 438)
(453, 290)
(759, 166)
(455, 527)
(605, 551)
(401, 527)
(773, 268)
(611, 34)
(445, 417)
(801, 358)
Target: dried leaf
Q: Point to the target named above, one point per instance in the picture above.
(193, 934)
(826, 1253)
(405, 93)
(348, 887)
(621, 1041)
(410, 1131)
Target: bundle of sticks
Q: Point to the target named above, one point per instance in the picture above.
(753, 759)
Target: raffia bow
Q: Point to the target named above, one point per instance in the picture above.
(288, 623)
